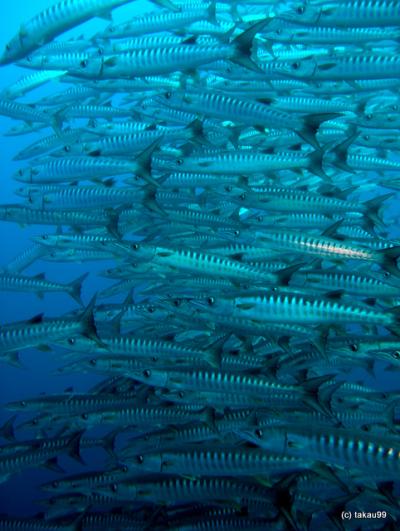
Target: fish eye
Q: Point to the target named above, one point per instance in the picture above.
(84, 63)
(300, 10)
(396, 354)
(242, 196)
(176, 302)
(395, 107)
(45, 237)
(35, 422)
(135, 246)
(179, 162)
(55, 484)
(147, 373)
(279, 31)
(125, 468)
(93, 362)
(236, 232)
(84, 416)
(368, 116)
(71, 341)
(258, 433)
(181, 394)
(114, 487)
(260, 218)
(366, 137)
(168, 95)
(151, 309)
(296, 65)
(111, 29)
(8, 47)
(228, 188)
(67, 148)
(154, 359)
(210, 301)
(353, 347)
(20, 173)
(140, 459)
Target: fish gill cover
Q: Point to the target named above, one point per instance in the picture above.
(200, 318)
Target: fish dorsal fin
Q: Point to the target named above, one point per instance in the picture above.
(36, 319)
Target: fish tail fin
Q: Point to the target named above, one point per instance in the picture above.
(88, 324)
(311, 125)
(143, 162)
(285, 275)
(74, 444)
(75, 288)
(7, 430)
(315, 162)
(212, 12)
(394, 326)
(315, 396)
(108, 442)
(373, 211)
(340, 154)
(388, 260)
(113, 221)
(243, 46)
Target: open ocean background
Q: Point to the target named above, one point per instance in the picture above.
(18, 493)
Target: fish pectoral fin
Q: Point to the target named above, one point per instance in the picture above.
(245, 306)
(111, 61)
(43, 348)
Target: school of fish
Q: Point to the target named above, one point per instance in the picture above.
(235, 164)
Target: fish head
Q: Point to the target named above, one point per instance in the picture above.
(13, 50)
(302, 69)
(300, 12)
(24, 175)
(50, 240)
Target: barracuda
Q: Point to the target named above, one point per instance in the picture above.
(39, 331)
(86, 482)
(70, 169)
(331, 34)
(53, 198)
(44, 452)
(39, 285)
(248, 112)
(22, 111)
(143, 348)
(266, 390)
(353, 13)
(186, 490)
(123, 416)
(51, 143)
(53, 21)
(233, 163)
(326, 247)
(348, 67)
(378, 456)
(72, 404)
(159, 22)
(217, 462)
(30, 82)
(75, 218)
(294, 308)
(351, 283)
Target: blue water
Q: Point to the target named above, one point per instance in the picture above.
(18, 494)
